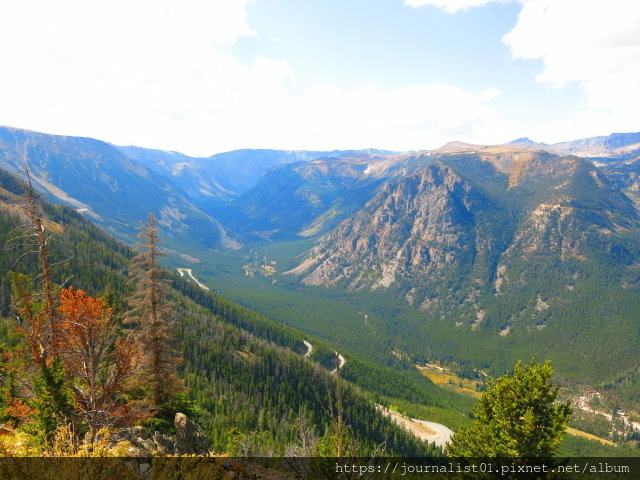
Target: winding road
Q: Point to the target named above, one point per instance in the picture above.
(188, 271)
(341, 359)
(429, 431)
(309, 348)
(341, 362)
(443, 433)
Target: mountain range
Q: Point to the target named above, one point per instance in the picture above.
(472, 254)
(499, 252)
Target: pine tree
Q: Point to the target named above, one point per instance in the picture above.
(35, 304)
(54, 401)
(516, 417)
(151, 315)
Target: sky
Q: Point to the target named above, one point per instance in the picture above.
(207, 76)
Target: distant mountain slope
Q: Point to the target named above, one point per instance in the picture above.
(626, 175)
(508, 244)
(222, 176)
(419, 226)
(307, 198)
(105, 184)
(186, 172)
(610, 143)
(190, 173)
(613, 145)
(456, 208)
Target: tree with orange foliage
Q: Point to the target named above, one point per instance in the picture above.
(97, 359)
(15, 409)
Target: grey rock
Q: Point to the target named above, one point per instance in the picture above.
(165, 444)
(189, 437)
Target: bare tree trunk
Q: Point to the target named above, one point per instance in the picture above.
(34, 236)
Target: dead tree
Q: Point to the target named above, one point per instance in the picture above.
(150, 314)
(98, 359)
(36, 307)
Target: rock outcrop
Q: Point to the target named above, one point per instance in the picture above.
(188, 439)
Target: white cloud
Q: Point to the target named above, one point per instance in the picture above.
(593, 44)
(414, 117)
(121, 69)
(450, 6)
(158, 74)
(489, 93)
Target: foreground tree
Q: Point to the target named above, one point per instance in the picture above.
(97, 358)
(36, 307)
(151, 316)
(53, 401)
(516, 417)
(34, 301)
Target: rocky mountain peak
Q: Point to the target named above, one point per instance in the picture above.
(419, 224)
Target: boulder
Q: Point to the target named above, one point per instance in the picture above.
(190, 439)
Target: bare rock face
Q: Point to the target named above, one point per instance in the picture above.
(412, 222)
(189, 439)
(417, 230)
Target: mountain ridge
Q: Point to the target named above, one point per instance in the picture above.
(226, 175)
(102, 182)
(481, 246)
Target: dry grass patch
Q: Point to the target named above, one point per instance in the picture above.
(447, 379)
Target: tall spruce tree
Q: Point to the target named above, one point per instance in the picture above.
(150, 313)
(53, 401)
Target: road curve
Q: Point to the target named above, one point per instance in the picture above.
(341, 359)
(188, 271)
(443, 435)
(429, 431)
(341, 362)
(309, 348)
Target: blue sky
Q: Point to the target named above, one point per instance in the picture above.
(383, 43)
(204, 76)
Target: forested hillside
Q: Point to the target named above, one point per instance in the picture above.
(498, 255)
(246, 380)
